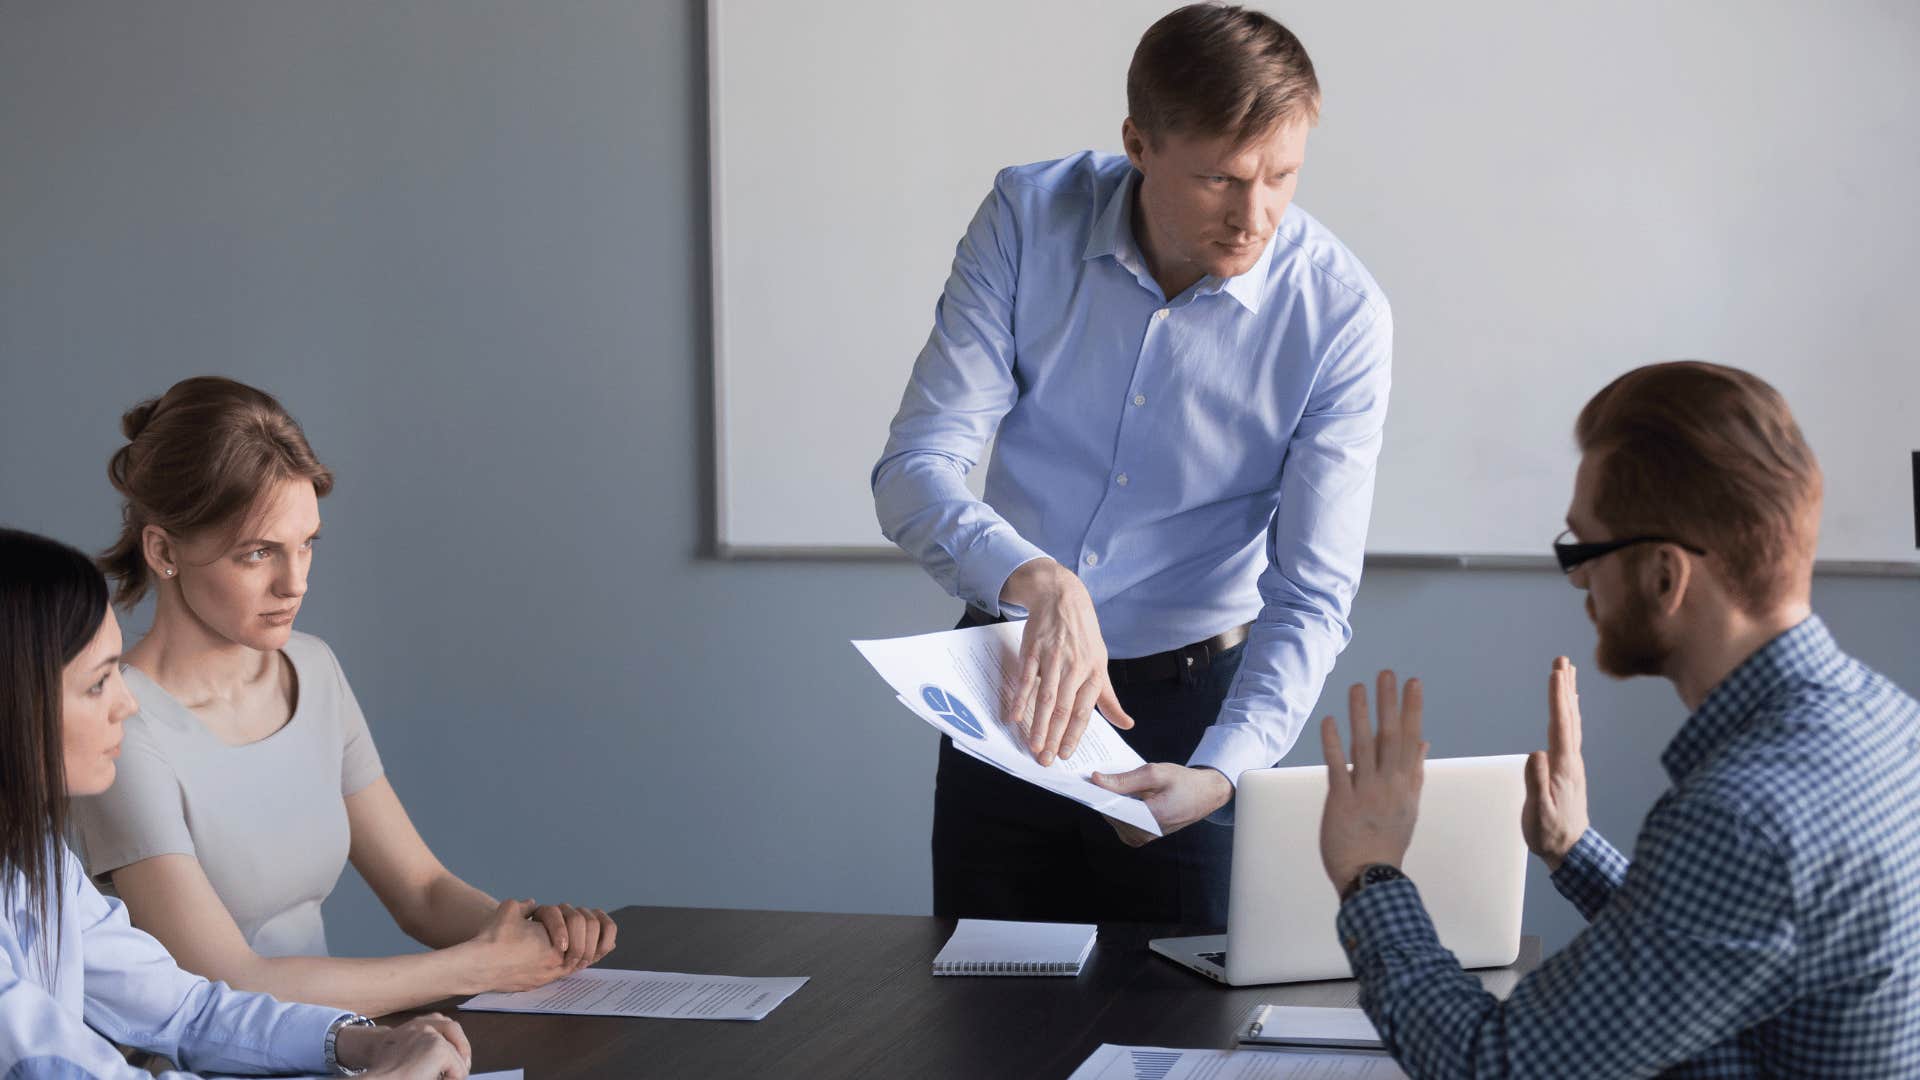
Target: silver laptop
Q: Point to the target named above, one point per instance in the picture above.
(1467, 858)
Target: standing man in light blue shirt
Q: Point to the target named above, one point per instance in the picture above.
(1187, 376)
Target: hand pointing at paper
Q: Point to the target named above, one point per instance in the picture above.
(1064, 676)
(1063, 661)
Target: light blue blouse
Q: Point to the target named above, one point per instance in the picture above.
(111, 981)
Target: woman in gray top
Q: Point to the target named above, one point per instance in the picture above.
(248, 778)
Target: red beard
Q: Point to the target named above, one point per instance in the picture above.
(1629, 644)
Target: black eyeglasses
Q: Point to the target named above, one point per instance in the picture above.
(1571, 555)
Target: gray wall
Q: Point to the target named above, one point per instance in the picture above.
(465, 242)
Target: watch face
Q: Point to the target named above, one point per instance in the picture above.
(1371, 875)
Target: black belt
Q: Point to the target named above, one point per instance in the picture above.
(1175, 665)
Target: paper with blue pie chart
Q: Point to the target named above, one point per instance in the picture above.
(949, 706)
(958, 682)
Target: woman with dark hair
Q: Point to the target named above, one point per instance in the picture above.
(250, 777)
(73, 972)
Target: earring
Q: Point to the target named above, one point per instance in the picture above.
(169, 571)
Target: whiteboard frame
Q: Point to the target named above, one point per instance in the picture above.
(717, 330)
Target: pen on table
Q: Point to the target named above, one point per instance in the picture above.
(1259, 1022)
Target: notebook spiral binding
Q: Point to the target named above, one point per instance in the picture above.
(1004, 967)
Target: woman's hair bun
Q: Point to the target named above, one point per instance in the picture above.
(135, 420)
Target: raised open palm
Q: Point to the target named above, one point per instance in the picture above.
(1555, 814)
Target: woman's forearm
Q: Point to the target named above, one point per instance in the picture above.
(372, 986)
(451, 911)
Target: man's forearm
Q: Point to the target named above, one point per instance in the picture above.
(1289, 651)
(924, 505)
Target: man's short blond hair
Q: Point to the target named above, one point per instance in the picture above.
(1216, 69)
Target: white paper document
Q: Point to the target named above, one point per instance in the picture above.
(659, 994)
(510, 1074)
(1112, 1062)
(962, 682)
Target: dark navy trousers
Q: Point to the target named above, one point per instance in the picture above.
(1005, 849)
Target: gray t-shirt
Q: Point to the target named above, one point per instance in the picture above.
(268, 820)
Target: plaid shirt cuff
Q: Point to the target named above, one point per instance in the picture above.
(1380, 917)
(1590, 873)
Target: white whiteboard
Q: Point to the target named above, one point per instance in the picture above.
(1550, 194)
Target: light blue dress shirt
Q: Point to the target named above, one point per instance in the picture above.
(112, 980)
(1199, 461)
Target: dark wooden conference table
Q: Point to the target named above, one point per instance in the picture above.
(872, 1007)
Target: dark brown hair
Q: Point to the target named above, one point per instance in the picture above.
(1217, 69)
(52, 602)
(1710, 455)
(197, 457)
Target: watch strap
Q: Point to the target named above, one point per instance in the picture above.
(334, 1029)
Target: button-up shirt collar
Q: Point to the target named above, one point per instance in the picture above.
(1806, 651)
(1112, 235)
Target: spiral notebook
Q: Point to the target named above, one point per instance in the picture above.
(992, 947)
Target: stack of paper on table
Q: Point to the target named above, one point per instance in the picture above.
(962, 682)
(994, 947)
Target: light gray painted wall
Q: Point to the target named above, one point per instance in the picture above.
(464, 241)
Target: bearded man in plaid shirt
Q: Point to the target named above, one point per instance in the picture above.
(1769, 922)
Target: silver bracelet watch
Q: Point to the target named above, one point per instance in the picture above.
(333, 1042)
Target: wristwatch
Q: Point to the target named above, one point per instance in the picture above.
(333, 1041)
(1371, 874)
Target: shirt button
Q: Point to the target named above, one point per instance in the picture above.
(1121, 479)
(1092, 559)
(1139, 399)
(1161, 314)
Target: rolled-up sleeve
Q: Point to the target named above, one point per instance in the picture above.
(961, 388)
(1315, 548)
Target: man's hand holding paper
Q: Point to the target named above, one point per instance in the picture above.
(1178, 796)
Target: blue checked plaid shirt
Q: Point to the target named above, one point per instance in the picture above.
(1769, 923)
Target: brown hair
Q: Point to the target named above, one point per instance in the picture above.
(1218, 69)
(52, 602)
(199, 456)
(1710, 455)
